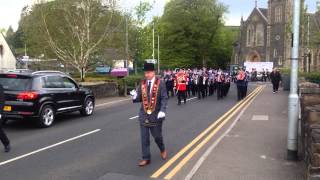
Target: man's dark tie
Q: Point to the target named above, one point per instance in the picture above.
(149, 88)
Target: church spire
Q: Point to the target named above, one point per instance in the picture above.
(256, 3)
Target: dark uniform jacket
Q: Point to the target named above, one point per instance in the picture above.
(162, 101)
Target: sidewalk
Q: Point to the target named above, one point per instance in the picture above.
(255, 149)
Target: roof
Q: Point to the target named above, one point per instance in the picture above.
(264, 12)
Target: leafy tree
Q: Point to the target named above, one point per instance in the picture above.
(190, 29)
(74, 31)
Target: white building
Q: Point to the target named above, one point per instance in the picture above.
(7, 59)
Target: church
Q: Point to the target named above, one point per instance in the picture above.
(266, 37)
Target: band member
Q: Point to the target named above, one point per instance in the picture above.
(201, 86)
(220, 81)
(241, 84)
(226, 85)
(3, 137)
(189, 83)
(153, 95)
(194, 84)
(181, 86)
(275, 77)
(211, 83)
(169, 83)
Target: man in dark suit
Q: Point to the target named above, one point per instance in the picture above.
(3, 137)
(275, 77)
(152, 93)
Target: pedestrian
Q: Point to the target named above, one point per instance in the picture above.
(152, 94)
(3, 137)
(268, 75)
(275, 77)
(241, 84)
(181, 86)
(264, 76)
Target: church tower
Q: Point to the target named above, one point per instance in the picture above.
(278, 32)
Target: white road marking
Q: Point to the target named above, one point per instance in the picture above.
(48, 147)
(191, 99)
(214, 145)
(112, 102)
(135, 117)
(260, 118)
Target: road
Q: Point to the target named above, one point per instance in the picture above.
(87, 148)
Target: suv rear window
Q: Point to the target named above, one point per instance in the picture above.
(13, 82)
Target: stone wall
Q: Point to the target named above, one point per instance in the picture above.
(103, 89)
(310, 129)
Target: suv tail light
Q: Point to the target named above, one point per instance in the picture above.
(27, 95)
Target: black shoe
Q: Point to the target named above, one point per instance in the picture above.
(7, 148)
(185, 102)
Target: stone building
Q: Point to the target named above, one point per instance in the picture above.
(7, 59)
(265, 36)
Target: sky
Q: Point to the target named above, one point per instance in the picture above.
(10, 9)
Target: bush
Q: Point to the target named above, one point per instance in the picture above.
(313, 77)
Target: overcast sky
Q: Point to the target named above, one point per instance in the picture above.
(10, 9)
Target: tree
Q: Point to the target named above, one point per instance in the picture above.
(190, 29)
(139, 32)
(75, 29)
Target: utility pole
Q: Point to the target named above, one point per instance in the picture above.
(127, 47)
(292, 146)
(308, 45)
(153, 42)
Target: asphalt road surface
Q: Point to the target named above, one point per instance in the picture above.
(87, 148)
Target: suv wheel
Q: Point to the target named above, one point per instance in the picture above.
(88, 107)
(47, 116)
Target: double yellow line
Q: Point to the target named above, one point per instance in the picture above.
(212, 130)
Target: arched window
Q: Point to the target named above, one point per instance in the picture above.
(260, 35)
(250, 35)
(280, 61)
(275, 53)
(278, 14)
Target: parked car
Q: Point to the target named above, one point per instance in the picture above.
(42, 95)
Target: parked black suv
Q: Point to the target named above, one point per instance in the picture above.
(42, 95)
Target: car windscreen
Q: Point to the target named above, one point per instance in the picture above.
(13, 82)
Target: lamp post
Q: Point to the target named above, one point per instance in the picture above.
(292, 140)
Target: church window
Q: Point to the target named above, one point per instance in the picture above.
(250, 35)
(278, 14)
(280, 60)
(275, 53)
(268, 36)
(260, 34)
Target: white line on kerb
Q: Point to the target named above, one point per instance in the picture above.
(135, 117)
(48, 147)
(112, 102)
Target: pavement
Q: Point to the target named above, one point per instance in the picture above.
(254, 147)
